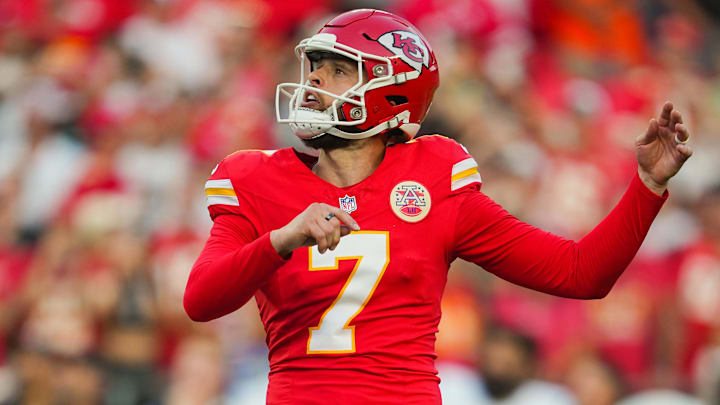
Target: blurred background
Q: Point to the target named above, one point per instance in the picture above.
(113, 113)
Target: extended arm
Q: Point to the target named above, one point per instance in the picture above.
(487, 235)
(533, 258)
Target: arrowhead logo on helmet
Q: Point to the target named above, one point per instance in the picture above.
(408, 46)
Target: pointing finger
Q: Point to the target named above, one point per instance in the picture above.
(345, 218)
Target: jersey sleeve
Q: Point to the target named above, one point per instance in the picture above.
(463, 173)
(489, 236)
(220, 194)
(236, 259)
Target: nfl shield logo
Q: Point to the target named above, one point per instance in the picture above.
(348, 203)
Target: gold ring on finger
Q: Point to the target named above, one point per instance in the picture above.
(677, 140)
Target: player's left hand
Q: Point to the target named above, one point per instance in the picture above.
(661, 151)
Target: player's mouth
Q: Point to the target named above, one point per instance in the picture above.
(311, 100)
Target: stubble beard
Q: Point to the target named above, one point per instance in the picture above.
(328, 142)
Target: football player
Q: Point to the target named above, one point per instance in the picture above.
(347, 253)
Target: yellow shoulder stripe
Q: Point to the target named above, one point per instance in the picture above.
(464, 173)
(219, 191)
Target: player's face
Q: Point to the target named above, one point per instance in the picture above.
(333, 74)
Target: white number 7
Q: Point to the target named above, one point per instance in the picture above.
(372, 251)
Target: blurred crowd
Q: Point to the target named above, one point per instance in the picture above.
(113, 114)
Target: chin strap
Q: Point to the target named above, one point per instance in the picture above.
(395, 122)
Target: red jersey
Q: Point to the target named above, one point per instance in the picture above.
(358, 324)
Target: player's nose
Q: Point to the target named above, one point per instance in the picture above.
(317, 77)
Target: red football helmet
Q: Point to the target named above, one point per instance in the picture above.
(401, 71)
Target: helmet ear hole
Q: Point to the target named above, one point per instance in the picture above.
(396, 100)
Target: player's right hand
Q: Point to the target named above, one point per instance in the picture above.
(311, 227)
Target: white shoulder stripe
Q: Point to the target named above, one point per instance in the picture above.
(463, 165)
(222, 183)
(458, 184)
(223, 200)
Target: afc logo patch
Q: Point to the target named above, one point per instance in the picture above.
(347, 203)
(408, 46)
(410, 201)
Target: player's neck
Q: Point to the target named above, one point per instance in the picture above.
(344, 167)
